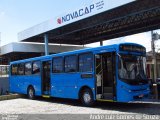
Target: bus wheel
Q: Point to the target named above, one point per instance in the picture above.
(87, 97)
(31, 93)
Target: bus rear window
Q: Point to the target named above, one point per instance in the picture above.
(28, 68)
(86, 62)
(14, 69)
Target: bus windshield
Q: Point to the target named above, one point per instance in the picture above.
(132, 67)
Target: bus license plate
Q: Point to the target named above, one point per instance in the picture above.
(141, 95)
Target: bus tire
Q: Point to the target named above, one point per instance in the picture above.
(87, 97)
(31, 93)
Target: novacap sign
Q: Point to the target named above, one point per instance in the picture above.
(95, 7)
(76, 14)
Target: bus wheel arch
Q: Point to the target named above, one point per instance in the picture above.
(86, 96)
(31, 92)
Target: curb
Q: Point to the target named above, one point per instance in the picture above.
(11, 96)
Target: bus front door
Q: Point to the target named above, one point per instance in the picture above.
(105, 76)
(46, 79)
(99, 76)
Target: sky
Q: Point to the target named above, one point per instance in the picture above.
(18, 15)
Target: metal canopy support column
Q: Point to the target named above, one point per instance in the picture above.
(46, 43)
(101, 43)
(155, 37)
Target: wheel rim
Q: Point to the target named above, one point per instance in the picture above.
(87, 97)
(31, 93)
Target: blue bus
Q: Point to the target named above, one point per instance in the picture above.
(108, 73)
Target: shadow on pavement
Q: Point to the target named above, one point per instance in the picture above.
(140, 108)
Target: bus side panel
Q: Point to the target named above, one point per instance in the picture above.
(34, 81)
(37, 85)
(87, 82)
(68, 85)
(13, 84)
(64, 85)
(20, 84)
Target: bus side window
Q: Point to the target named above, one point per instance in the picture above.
(58, 65)
(14, 69)
(36, 68)
(28, 68)
(71, 63)
(21, 69)
(86, 62)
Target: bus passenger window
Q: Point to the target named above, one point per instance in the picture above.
(14, 69)
(36, 68)
(86, 62)
(71, 63)
(58, 65)
(21, 69)
(28, 68)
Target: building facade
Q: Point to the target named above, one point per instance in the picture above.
(150, 65)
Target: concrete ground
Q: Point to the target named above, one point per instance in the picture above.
(63, 106)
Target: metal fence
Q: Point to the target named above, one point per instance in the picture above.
(4, 82)
(4, 85)
(4, 70)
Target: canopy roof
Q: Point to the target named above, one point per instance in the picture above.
(131, 18)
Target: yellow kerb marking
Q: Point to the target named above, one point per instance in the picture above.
(45, 96)
(105, 100)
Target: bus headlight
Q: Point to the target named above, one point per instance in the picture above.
(129, 90)
(148, 89)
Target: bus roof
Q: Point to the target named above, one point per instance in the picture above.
(74, 52)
